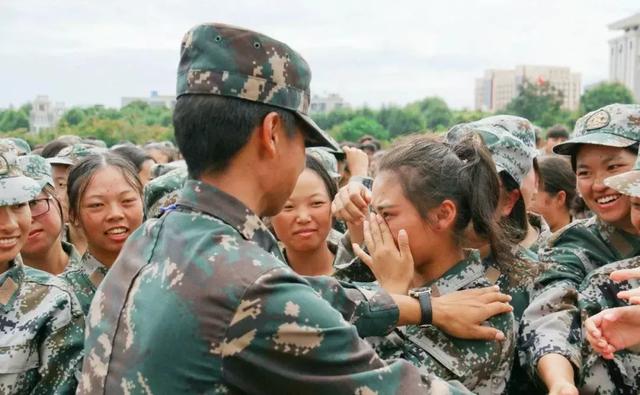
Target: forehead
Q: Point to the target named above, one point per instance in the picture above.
(106, 180)
(309, 183)
(387, 188)
(591, 154)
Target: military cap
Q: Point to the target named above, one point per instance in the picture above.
(326, 158)
(72, 154)
(160, 169)
(37, 168)
(615, 125)
(627, 183)
(19, 145)
(15, 187)
(509, 153)
(520, 127)
(224, 60)
(163, 191)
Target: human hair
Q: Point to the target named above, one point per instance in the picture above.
(211, 129)
(516, 224)
(431, 171)
(83, 172)
(50, 191)
(52, 148)
(557, 131)
(166, 149)
(329, 184)
(133, 154)
(556, 175)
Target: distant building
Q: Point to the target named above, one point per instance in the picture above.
(44, 114)
(497, 88)
(327, 103)
(154, 100)
(624, 57)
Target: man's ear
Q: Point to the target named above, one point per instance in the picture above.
(267, 133)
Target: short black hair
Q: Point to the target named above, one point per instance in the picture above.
(53, 148)
(211, 129)
(133, 154)
(556, 175)
(557, 132)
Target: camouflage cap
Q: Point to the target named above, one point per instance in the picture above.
(19, 145)
(509, 153)
(163, 191)
(37, 168)
(15, 187)
(72, 154)
(326, 158)
(627, 183)
(520, 127)
(160, 169)
(218, 59)
(615, 125)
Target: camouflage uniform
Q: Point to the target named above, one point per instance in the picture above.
(84, 277)
(200, 300)
(482, 366)
(72, 154)
(20, 146)
(41, 325)
(163, 191)
(36, 168)
(551, 323)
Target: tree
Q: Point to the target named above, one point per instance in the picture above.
(13, 119)
(603, 94)
(539, 103)
(435, 112)
(357, 127)
(399, 121)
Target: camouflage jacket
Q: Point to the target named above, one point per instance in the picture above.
(84, 277)
(482, 366)
(72, 253)
(599, 376)
(551, 323)
(544, 232)
(41, 333)
(205, 287)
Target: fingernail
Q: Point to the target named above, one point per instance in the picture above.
(499, 336)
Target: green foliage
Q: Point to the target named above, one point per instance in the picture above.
(435, 112)
(399, 121)
(357, 127)
(603, 94)
(539, 103)
(15, 119)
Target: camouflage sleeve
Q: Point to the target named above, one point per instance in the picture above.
(366, 306)
(497, 381)
(551, 322)
(61, 350)
(298, 343)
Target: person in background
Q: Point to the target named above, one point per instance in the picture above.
(556, 192)
(160, 152)
(139, 159)
(604, 144)
(105, 197)
(41, 324)
(556, 134)
(304, 224)
(44, 248)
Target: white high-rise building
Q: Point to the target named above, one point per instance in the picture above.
(154, 100)
(44, 114)
(328, 103)
(497, 88)
(624, 57)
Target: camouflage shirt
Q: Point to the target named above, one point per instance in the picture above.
(41, 333)
(544, 232)
(599, 376)
(482, 366)
(84, 277)
(551, 323)
(200, 301)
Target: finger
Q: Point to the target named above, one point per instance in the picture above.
(368, 240)
(403, 243)
(350, 211)
(496, 308)
(634, 300)
(629, 293)
(357, 195)
(494, 296)
(591, 327)
(481, 332)
(366, 196)
(625, 274)
(385, 233)
(366, 258)
(375, 230)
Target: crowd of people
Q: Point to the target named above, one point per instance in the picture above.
(260, 256)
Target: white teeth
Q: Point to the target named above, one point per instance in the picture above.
(7, 241)
(117, 231)
(607, 199)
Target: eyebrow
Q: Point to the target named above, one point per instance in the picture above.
(385, 206)
(101, 195)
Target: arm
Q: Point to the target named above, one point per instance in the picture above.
(557, 374)
(300, 344)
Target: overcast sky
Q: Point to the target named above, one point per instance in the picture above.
(86, 52)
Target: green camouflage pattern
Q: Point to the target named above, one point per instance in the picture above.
(543, 229)
(74, 153)
(615, 125)
(509, 153)
(483, 367)
(599, 376)
(41, 333)
(326, 159)
(205, 287)
(19, 145)
(520, 127)
(551, 323)
(627, 183)
(15, 187)
(84, 277)
(37, 168)
(224, 60)
(163, 191)
(160, 169)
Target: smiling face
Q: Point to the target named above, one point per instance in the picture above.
(594, 163)
(110, 210)
(15, 221)
(305, 221)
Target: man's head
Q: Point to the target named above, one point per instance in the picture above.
(555, 135)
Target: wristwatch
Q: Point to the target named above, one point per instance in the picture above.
(424, 297)
(366, 181)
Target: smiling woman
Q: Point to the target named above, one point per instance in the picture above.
(105, 201)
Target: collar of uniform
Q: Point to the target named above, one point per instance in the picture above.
(10, 283)
(93, 268)
(461, 274)
(538, 222)
(208, 199)
(625, 244)
(72, 253)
